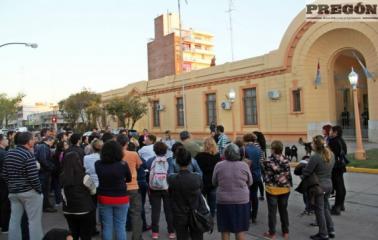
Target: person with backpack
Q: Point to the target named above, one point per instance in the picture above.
(185, 192)
(253, 154)
(159, 191)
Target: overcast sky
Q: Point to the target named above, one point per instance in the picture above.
(101, 44)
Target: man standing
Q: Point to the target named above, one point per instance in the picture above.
(147, 152)
(4, 201)
(143, 138)
(21, 174)
(190, 145)
(169, 142)
(44, 157)
(223, 139)
(135, 210)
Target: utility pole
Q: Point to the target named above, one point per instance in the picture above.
(181, 64)
(229, 11)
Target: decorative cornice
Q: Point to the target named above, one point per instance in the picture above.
(242, 77)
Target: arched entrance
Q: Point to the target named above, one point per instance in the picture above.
(344, 60)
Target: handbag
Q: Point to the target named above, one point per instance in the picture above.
(199, 220)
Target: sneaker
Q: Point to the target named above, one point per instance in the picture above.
(333, 196)
(172, 236)
(155, 235)
(262, 198)
(269, 235)
(4, 231)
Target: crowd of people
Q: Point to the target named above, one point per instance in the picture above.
(106, 178)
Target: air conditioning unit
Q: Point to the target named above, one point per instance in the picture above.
(274, 94)
(161, 107)
(226, 105)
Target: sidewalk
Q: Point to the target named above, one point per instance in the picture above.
(358, 222)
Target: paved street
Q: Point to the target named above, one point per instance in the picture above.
(358, 222)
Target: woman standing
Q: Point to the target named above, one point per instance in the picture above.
(253, 153)
(233, 178)
(207, 161)
(159, 191)
(339, 149)
(321, 163)
(185, 192)
(113, 174)
(77, 202)
(277, 186)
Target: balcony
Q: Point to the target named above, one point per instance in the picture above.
(199, 51)
(200, 41)
(197, 60)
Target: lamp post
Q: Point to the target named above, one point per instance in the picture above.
(360, 153)
(32, 45)
(231, 95)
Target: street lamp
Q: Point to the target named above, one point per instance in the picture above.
(32, 45)
(231, 95)
(360, 153)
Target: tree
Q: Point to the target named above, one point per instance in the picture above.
(9, 107)
(128, 109)
(82, 107)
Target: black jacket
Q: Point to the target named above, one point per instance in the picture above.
(3, 153)
(311, 186)
(185, 191)
(78, 150)
(44, 157)
(339, 149)
(207, 162)
(77, 198)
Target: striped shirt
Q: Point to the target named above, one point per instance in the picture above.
(222, 142)
(20, 171)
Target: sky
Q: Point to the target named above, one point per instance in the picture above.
(102, 44)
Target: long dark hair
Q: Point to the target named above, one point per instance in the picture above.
(72, 170)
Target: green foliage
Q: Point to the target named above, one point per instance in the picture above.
(370, 162)
(9, 107)
(128, 110)
(82, 109)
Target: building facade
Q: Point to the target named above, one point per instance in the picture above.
(164, 55)
(275, 93)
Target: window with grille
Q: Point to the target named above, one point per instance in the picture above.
(180, 111)
(156, 115)
(250, 106)
(297, 105)
(211, 110)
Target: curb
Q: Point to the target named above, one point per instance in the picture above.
(350, 169)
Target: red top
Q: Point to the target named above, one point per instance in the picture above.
(106, 200)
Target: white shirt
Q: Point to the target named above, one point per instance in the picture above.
(147, 152)
(89, 165)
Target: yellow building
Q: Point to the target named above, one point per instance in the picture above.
(275, 93)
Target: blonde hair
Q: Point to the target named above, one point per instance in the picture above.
(210, 146)
(321, 147)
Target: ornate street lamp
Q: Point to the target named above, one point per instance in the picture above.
(360, 153)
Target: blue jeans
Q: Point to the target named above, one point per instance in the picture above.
(113, 217)
(31, 203)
